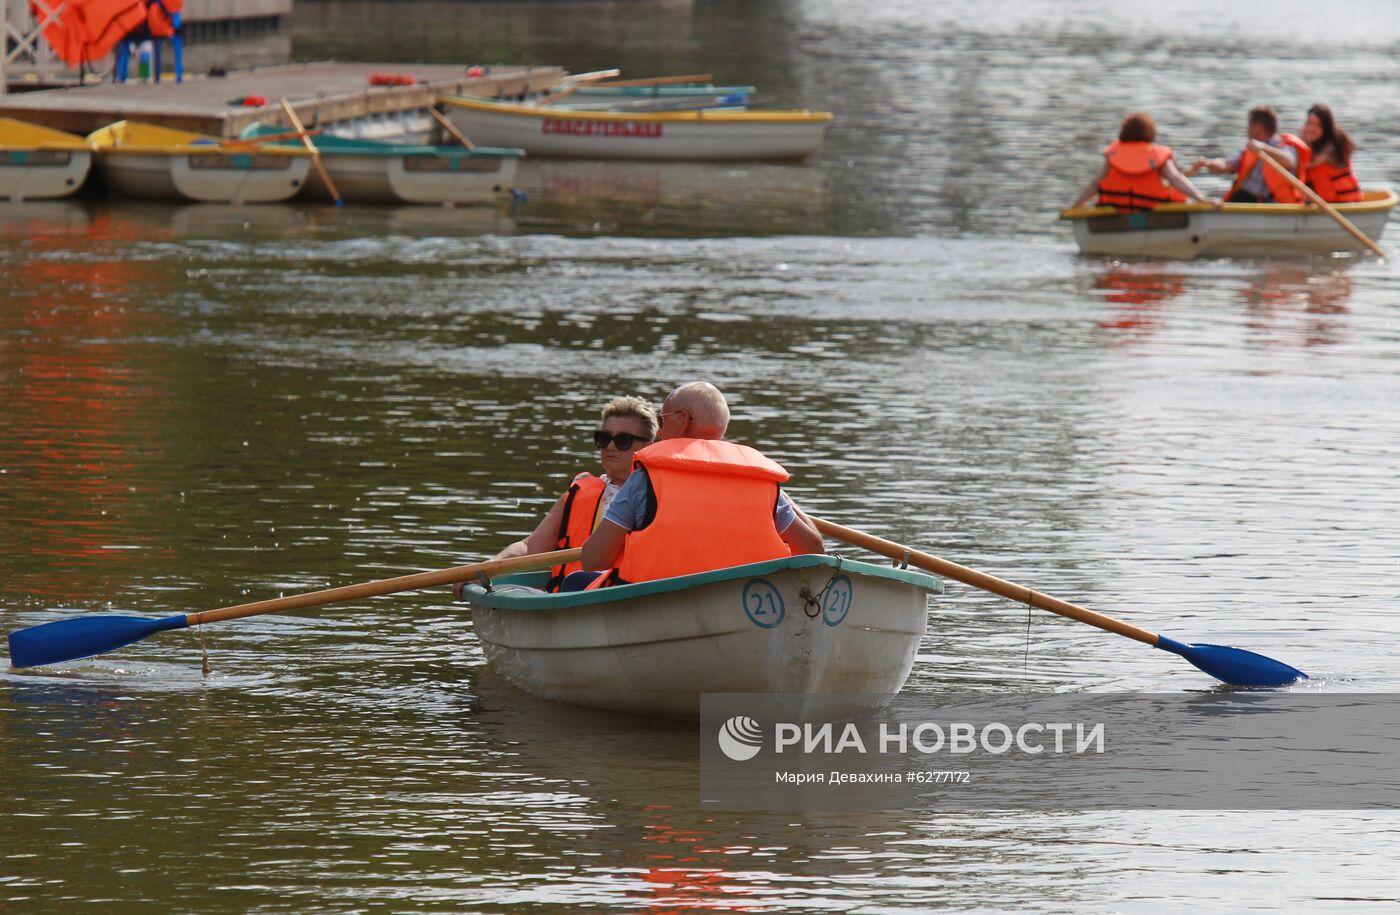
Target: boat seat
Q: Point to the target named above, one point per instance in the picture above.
(523, 590)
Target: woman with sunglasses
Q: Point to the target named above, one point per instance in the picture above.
(629, 424)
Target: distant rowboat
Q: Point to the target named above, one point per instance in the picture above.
(38, 163)
(807, 624)
(367, 171)
(143, 160)
(1237, 229)
(692, 135)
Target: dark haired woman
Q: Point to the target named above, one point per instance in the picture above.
(1137, 173)
(1329, 172)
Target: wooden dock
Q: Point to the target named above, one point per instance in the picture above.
(325, 94)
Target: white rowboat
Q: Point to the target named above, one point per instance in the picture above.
(367, 171)
(807, 624)
(687, 135)
(38, 163)
(1237, 229)
(158, 163)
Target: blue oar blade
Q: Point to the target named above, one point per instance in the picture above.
(1234, 666)
(82, 637)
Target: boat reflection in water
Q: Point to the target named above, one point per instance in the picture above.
(1295, 304)
(1136, 295)
(87, 413)
(676, 198)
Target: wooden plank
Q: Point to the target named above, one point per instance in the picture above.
(325, 93)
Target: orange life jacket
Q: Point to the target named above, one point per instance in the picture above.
(581, 515)
(1333, 183)
(714, 509)
(160, 17)
(1134, 179)
(1278, 186)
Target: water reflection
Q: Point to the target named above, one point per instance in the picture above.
(1296, 304)
(75, 382)
(1136, 296)
(673, 198)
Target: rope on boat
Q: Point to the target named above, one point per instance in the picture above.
(812, 603)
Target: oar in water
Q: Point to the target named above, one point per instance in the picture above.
(1231, 665)
(315, 153)
(1326, 207)
(84, 636)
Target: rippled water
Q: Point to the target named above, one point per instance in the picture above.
(205, 405)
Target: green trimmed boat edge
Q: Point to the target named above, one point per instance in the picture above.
(500, 599)
(330, 145)
(684, 90)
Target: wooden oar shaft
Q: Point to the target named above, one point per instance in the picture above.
(386, 586)
(1326, 207)
(253, 142)
(592, 76)
(451, 128)
(311, 148)
(985, 582)
(578, 82)
(663, 80)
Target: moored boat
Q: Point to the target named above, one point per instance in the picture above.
(39, 163)
(1236, 229)
(693, 135)
(808, 624)
(144, 160)
(369, 171)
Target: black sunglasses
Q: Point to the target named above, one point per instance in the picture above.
(623, 440)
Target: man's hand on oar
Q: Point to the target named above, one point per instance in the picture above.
(1230, 665)
(84, 636)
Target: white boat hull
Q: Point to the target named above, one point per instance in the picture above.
(212, 177)
(1193, 230)
(689, 135)
(42, 174)
(752, 632)
(415, 179)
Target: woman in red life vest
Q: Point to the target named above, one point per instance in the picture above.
(1137, 173)
(1329, 173)
(629, 424)
(1255, 182)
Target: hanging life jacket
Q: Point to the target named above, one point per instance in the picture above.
(581, 515)
(1279, 187)
(714, 509)
(1134, 180)
(163, 17)
(1333, 183)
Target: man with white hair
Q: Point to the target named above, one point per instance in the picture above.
(696, 502)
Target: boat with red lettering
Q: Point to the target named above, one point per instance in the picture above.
(705, 135)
